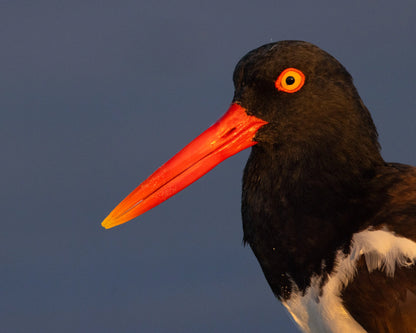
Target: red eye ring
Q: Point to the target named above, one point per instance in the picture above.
(290, 80)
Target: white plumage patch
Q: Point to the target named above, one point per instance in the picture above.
(320, 309)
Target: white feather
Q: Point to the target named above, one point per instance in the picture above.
(321, 310)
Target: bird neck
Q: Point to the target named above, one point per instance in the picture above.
(300, 207)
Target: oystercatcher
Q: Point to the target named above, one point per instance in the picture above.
(332, 224)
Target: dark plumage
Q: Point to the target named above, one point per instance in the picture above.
(332, 225)
(316, 177)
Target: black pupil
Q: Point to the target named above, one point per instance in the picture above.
(290, 80)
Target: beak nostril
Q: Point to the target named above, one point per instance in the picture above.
(229, 132)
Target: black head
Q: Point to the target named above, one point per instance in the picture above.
(325, 110)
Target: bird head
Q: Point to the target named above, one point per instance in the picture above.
(289, 94)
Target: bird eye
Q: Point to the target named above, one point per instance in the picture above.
(290, 80)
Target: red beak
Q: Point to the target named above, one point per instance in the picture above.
(233, 132)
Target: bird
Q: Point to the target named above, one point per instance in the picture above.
(332, 225)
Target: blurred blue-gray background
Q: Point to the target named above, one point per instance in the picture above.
(94, 95)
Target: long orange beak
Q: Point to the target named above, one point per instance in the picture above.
(233, 132)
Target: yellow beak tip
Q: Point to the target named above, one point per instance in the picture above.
(107, 223)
